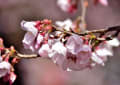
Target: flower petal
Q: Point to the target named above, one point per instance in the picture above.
(114, 42)
(97, 59)
(4, 68)
(28, 40)
(44, 50)
(30, 27)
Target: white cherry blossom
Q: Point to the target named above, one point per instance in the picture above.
(58, 53)
(29, 27)
(64, 5)
(68, 5)
(67, 24)
(97, 59)
(4, 68)
(44, 50)
(114, 42)
(30, 36)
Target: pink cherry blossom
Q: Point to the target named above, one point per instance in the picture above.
(30, 36)
(44, 50)
(58, 53)
(72, 52)
(104, 50)
(67, 24)
(32, 39)
(74, 44)
(78, 54)
(67, 5)
(29, 27)
(28, 41)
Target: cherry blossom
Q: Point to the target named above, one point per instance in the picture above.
(104, 50)
(78, 54)
(97, 59)
(67, 24)
(31, 34)
(58, 53)
(33, 39)
(44, 50)
(4, 68)
(114, 42)
(70, 52)
(74, 43)
(103, 2)
(67, 5)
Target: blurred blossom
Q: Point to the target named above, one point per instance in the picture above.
(103, 2)
(12, 77)
(68, 5)
(1, 44)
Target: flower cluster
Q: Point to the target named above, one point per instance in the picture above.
(6, 64)
(67, 49)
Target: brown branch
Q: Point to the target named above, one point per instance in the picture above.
(110, 29)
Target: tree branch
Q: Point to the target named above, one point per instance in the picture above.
(110, 29)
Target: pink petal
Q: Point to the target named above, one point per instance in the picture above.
(28, 40)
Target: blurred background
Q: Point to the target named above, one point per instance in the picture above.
(42, 71)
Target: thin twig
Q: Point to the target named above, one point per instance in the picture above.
(27, 56)
(84, 9)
